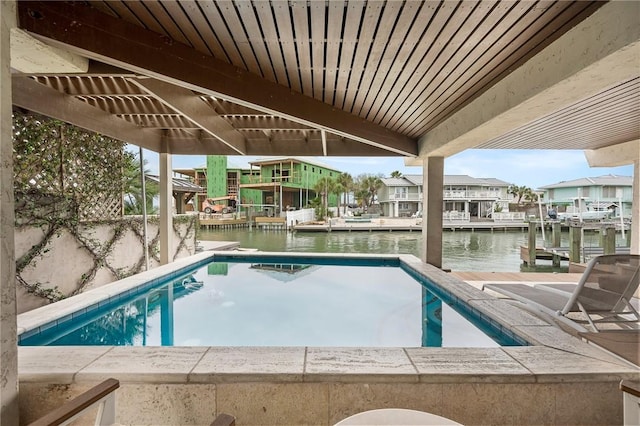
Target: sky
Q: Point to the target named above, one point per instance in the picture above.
(531, 168)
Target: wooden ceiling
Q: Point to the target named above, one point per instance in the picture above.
(305, 77)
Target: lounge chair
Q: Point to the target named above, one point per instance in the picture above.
(603, 294)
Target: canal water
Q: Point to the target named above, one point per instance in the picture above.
(461, 251)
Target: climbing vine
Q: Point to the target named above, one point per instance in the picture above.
(70, 181)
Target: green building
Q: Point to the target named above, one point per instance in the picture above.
(270, 184)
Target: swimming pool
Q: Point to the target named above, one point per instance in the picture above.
(263, 299)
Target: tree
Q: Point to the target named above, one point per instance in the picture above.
(396, 174)
(133, 187)
(530, 196)
(521, 192)
(324, 186)
(346, 182)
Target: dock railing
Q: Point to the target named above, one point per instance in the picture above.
(508, 216)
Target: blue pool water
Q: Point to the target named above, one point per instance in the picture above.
(261, 302)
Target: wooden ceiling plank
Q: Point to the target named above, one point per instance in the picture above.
(157, 9)
(317, 12)
(221, 33)
(301, 37)
(583, 138)
(496, 59)
(238, 35)
(372, 13)
(335, 18)
(272, 41)
(98, 36)
(255, 38)
(470, 65)
(382, 47)
(393, 45)
(142, 14)
(36, 97)
(443, 47)
(179, 14)
(516, 22)
(469, 47)
(355, 9)
(410, 50)
(201, 26)
(610, 113)
(281, 12)
(185, 102)
(419, 60)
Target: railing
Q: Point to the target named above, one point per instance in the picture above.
(508, 216)
(454, 216)
(295, 179)
(300, 216)
(472, 194)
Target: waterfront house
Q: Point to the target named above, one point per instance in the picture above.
(463, 194)
(601, 193)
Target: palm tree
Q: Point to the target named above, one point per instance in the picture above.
(530, 196)
(396, 174)
(373, 185)
(324, 186)
(346, 182)
(517, 191)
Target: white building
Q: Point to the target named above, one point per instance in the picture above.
(472, 197)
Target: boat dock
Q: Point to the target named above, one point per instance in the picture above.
(384, 224)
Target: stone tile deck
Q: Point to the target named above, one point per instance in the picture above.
(322, 385)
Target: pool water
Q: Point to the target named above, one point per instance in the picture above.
(275, 304)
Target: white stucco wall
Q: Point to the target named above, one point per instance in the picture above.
(65, 260)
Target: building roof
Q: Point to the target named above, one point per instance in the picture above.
(179, 184)
(274, 160)
(448, 180)
(605, 180)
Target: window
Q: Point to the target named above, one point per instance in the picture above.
(305, 168)
(609, 192)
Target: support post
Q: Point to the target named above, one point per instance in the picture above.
(432, 184)
(166, 209)
(532, 243)
(575, 242)
(556, 232)
(608, 239)
(8, 327)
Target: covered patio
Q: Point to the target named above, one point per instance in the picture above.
(421, 80)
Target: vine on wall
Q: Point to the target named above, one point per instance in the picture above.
(70, 181)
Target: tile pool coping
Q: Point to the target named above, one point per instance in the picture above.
(553, 355)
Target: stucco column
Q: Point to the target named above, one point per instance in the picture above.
(635, 211)
(8, 328)
(166, 209)
(432, 184)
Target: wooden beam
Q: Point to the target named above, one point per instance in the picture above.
(189, 104)
(86, 31)
(36, 97)
(310, 148)
(621, 154)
